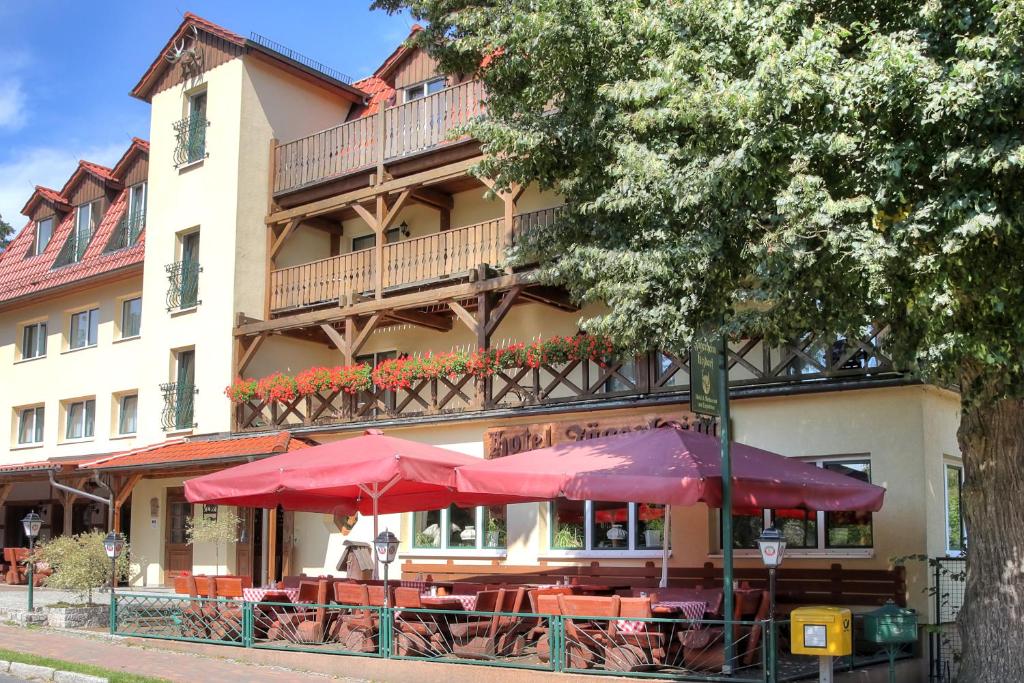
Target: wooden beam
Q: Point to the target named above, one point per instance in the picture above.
(432, 321)
(551, 296)
(5, 490)
(364, 334)
(392, 213)
(285, 234)
(425, 297)
(465, 316)
(370, 219)
(329, 204)
(378, 248)
(502, 310)
(248, 352)
(334, 228)
(271, 204)
(336, 337)
(122, 496)
(433, 198)
(272, 545)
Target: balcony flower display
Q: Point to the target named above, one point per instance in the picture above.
(277, 387)
(396, 374)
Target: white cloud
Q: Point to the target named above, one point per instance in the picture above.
(12, 104)
(25, 168)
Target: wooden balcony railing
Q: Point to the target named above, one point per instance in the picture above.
(413, 262)
(813, 359)
(391, 134)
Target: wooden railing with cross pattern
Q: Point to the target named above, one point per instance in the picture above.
(752, 362)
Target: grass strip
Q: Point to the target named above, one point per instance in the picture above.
(89, 669)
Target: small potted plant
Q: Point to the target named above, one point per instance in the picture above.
(568, 537)
(495, 532)
(653, 530)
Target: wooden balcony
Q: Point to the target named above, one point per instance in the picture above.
(392, 134)
(413, 263)
(812, 363)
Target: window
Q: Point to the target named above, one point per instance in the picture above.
(420, 90)
(84, 328)
(601, 526)
(128, 411)
(373, 360)
(44, 231)
(808, 529)
(362, 242)
(191, 132)
(131, 318)
(956, 536)
(33, 341)
(137, 204)
(86, 220)
(81, 420)
(179, 396)
(30, 425)
(472, 528)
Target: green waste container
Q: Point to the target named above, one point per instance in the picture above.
(891, 625)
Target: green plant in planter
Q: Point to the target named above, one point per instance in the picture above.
(496, 533)
(425, 540)
(568, 536)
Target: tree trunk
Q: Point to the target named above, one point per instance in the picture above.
(991, 621)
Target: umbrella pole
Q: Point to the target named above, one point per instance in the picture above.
(665, 548)
(376, 559)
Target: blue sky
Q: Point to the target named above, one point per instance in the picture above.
(66, 68)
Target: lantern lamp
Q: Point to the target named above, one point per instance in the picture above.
(772, 545)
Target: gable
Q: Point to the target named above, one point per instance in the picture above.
(417, 66)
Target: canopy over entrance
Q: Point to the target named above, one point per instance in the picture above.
(671, 466)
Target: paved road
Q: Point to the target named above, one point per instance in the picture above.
(4, 678)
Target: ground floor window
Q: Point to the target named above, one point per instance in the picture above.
(594, 525)
(956, 536)
(459, 528)
(809, 529)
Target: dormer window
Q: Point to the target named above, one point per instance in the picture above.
(44, 231)
(425, 88)
(87, 217)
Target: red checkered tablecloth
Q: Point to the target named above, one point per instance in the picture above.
(468, 601)
(691, 610)
(257, 594)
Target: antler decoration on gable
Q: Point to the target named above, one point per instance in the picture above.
(186, 52)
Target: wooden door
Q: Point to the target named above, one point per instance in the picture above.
(244, 560)
(177, 550)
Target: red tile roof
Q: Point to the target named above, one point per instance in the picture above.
(23, 274)
(42, 465)
(185, 451)
(43, 194)
(379, 92)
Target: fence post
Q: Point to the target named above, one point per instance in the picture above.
(113, 614)
(386, 627)
(247, 624)
(557, 642)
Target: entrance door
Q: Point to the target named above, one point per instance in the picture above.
(177, 551)
(244, 564)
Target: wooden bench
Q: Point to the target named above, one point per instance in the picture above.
(834, 585)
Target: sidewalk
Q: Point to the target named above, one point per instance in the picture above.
(197, 663)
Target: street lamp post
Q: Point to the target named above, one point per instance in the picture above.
(772, 545)
(113, 544)
(32, 523)
(387, 547)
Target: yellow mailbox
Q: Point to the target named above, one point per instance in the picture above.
(821, 631)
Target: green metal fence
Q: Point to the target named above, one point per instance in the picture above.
(654, 648)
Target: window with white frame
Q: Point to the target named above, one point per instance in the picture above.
(421, 90)
(601, 526)
(87, 218)
(956, 535)
(30, 425)
(131, 317)
(128, 412)
(44, 231)
(458, 528)
(80, 419)
(33, 340)
(84, 329)
(809, 529)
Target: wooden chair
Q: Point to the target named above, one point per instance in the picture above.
(545, 604)
(634, 649)
(704, 649)
(226, 623)
(496, 635)
(284, 625)
(417, 634)
(357, 630)
(196, 617)
(314, 626)
(586, 640)
(17, 568)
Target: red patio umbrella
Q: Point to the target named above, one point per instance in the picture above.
(671, 466)
(370, 474)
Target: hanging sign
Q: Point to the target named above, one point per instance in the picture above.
(705, 357)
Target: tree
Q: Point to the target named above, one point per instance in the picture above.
(80, 564)
(6, 233)
(219, 530)
(778, 167)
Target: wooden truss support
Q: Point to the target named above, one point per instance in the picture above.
(354, 337)
(551, 296)
(5, 490)
(509, 197)
(280, 239)
(247, 348)
(431, 321)
(125, 490)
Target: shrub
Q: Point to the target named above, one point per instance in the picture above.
(80, 564)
